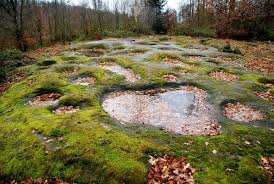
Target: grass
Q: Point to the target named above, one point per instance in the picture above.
(96, 149)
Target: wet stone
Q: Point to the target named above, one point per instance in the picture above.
(45, 100)
(183, 110)
(129, 75)
(85, 81)
(51, 144)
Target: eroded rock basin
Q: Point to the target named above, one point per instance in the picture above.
(129, 75)
(183, 110)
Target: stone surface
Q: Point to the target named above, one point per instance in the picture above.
(85, 81)
(45, 100)
(129, 75)
(183, 110)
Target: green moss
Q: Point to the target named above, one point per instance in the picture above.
(66, 68)
(47, 63)
(106, 59)
(56, 133)
(266, 80)
(118, 46)
(161, 56)
(72, 59)
(92, 46)
(132, 51)
(248, 168)
(74, 100)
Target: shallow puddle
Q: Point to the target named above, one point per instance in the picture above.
(129, 75)
(183, 110)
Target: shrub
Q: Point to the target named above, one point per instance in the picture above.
(10, 60)
(188, 30)
(119, 34)
(246, 21)
(229, 49)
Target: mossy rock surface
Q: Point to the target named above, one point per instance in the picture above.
(91, 147)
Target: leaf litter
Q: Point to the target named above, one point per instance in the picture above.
(242, 113)
(170, 170)
(45, 99)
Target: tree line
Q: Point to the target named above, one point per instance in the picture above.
(240, 19)
(28, 23)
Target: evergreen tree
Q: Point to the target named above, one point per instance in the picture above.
(156, 7)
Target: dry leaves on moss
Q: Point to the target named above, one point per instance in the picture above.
(270, 85)
(228, 60)
(70, 72)
(170, 78)
(51, 51)
(45, 99)
(259, 64)
(239, 112)
(37, 181)
(224, 76)
(66, 110)
(174, 62)
(14, 78)
(267, 164)
(265, 95)
(170, 170)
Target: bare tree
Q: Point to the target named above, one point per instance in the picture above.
(14, 10)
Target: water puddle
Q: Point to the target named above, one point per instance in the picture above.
(183, 110)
